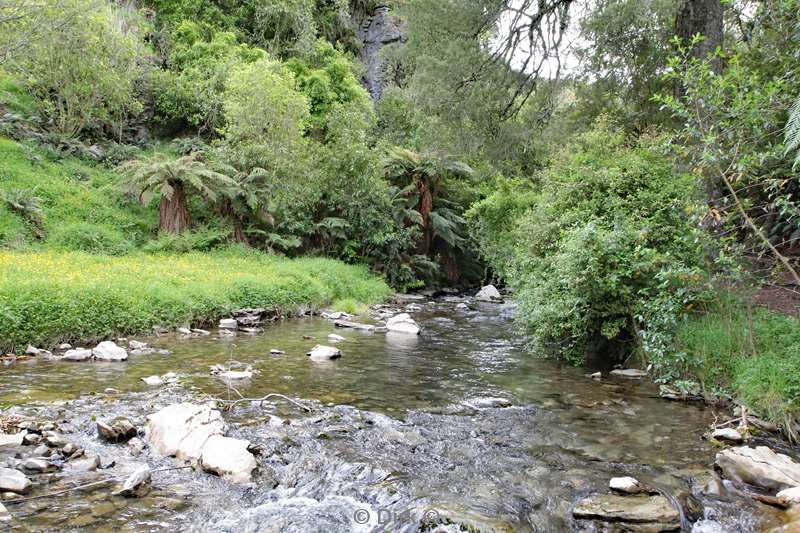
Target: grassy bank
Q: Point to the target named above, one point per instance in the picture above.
(52, 297)
(751, 354)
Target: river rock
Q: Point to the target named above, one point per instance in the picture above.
(55, 440)
(181, 429)
(759, 466)
(37, 464)
(488, 403)
(236, 374)
(333, 337)
(137, 484)
(403, 323)
(31, 439)
(336, 315)
(184, 331)
(77, 354)
(32, 350)
(489, 293)
(276, 352)
(153, 381)
(462, 307)
(5, 516)
(789, 497)
(137, 345)
(14, 481)
(728, 434)
(627, 484)
(202, 332)
(654, 512)
(12, 440)
(64, 346)
(324, 353)
(353, 325)
(136, 446)
(121, 430)
(109, 351)
(228, 323)
(88, 464)
(228, 458)
(633, 373)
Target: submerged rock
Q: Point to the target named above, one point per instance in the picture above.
(153, 380)
(633, 373)
(403, 323)
(14, 481)
(627, 484)
(759, 466)
(137, 345)
(333, 337)
(324, 353)
(488, 403)
(228, 458)
(353, 325)
(109, 351)
(631, 512)
(236, 374)
(489, 293)
(137, 484)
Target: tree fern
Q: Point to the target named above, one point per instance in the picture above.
(793, 133)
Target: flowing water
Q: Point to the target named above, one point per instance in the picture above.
(395, 441)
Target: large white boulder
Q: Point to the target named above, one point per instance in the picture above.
(324, 353)
(759, 466)
(489, 293)
(789, 497)
(403, 323)
(12, 440)
(228, 458)
(182, 429)
(12, 480)
(109, 351)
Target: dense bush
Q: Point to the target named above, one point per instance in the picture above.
(605, 232)
(90, 238)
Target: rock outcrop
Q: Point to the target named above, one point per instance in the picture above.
(759, 466)
(377, 29)
(632, 513)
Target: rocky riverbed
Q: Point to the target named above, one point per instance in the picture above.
(444, 424)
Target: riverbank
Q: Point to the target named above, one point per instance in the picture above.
(51, 297)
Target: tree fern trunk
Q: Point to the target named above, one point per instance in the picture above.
(173, 211)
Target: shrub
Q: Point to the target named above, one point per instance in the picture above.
(90, 238)
(200, 240)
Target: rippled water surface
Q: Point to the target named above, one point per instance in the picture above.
(390, 436)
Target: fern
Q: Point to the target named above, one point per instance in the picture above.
(793, 133)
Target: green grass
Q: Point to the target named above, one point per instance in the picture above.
(14, 97)
(753, 356)
(83, 207)
(50, 297)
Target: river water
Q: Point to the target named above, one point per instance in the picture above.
(397, 439)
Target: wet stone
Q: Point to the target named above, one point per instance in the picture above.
(13, 480)
(120, 430)
(630, 510)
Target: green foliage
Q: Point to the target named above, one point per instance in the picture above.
(82, 72)
(57, 193)
(46, 299)
(200, 61)
(90, 238)
(751, 354)
(591, 247)
(198, 240)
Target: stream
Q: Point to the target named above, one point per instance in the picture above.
(401, 435)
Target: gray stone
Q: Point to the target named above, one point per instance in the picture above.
(109, 351)
(198, 331)
(628, 485)
(789, 497)
(403, 323)
(55, 440)
(333, 337)
(182, 429)
(596, 375)
(153, 381)
(655, 511)
(324, 353)
(137, 484)
(36, 464)
(137, 345)
(276, 352)
(12, 440)
(64, 346)
(89, 464)
(228, 458)
(353, 325)
(5, 516)
(488, 403)
(32, 350)
(77, 354)
(31, 439)
(41, 451)
(759, 466)
(336, 315)
(120, 430)
(728, 434)
(14, 481)
(228, 323)
(633, 373)
(184, 331)
(234, 375)
(462, 307)
(489, 293)
(136, 446)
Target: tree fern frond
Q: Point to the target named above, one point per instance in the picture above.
(793, 133)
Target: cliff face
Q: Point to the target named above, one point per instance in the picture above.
(376, 30)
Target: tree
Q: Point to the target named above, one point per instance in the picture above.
(793, 133)
(171, 178)
(423, 176)
(704, 18)
(83, 71)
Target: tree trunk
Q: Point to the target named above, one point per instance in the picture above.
(173, 212)
(425, 208)
(702, 17)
